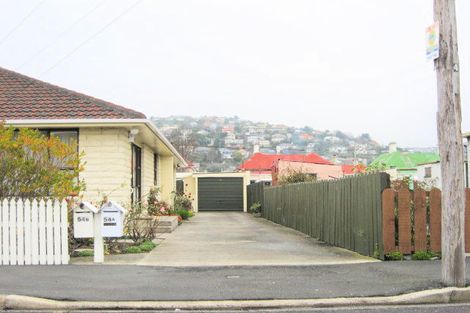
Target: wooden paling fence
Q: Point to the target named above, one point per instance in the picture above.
(33, 232)
(346, 212)
(412, 220)
(255, 193)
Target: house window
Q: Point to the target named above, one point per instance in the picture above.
(427, 172)
(136, 184)
(312, 175)
(67, 136)
(155, 169)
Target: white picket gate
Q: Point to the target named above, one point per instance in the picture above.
(33, 232)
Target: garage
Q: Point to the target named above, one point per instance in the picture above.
(220, 193)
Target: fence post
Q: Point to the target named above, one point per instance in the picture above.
(467, 220)
(64, 233)
(435, 219)
(12, 223)
(27, 233)
(420, 220)
(5, 233)
(404, 221)
(388, 220)
(20, 232)
(34, 233)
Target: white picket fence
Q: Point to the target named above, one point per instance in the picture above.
(33, 232)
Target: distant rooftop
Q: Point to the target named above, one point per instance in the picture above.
(405, 160)
(261, 161)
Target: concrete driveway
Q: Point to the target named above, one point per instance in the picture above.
(234, 238)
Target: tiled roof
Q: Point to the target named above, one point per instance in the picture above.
(24, 98)
(405, 160)
(347, 169)
(261, 161)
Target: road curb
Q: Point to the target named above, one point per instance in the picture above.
(435, 296)
(2, 302)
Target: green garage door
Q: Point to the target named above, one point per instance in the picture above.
(220, 194)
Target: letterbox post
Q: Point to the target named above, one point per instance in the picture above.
(98, 245)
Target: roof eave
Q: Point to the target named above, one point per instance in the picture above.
(100, 122)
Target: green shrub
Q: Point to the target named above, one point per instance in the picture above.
(293, 176)
(147, 246)
(185, 214)
(255, 207)
(87, 252)
(133, 249)
(182, 201)
(423, 255)
(394, 256)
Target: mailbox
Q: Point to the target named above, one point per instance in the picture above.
(83, 220)
(112, 219)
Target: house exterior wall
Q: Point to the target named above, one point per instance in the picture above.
(260, 176)
(435, 179)
(322, 171)
(147, 170)
(107, 157)
(167, 182)
(108, 168)
(190, 189)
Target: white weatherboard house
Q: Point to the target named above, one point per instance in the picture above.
(125, 153)
(430, 173)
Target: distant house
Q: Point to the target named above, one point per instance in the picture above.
(226, 153)
(306, 136)
(228, 129)
(430, 174)
(431, 171)
(348, 169)
(267, 150)
(403, 164)
(260, 165)
(319, 171)
(277, 138)
(264, 143)
(125, 153)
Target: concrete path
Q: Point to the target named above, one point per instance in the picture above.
(236, 239)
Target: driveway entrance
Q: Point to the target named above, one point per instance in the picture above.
(236, 238)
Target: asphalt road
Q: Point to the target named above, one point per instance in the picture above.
(101, 282)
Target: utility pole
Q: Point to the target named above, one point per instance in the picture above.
(449, 120)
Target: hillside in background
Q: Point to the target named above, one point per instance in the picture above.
(222, 143)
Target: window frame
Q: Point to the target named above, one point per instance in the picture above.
(428, 172)
(136, 173)
(47, 132)
(155, 169)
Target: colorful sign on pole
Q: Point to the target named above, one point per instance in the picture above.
(432, 41)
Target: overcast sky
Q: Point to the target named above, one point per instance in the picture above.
(356, 66)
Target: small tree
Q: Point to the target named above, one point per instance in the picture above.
(32, 165)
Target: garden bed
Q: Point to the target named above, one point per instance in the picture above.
(119, 247)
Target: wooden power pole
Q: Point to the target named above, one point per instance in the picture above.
(449, 121)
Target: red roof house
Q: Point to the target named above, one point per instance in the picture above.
(265, 162)
(261, 165)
